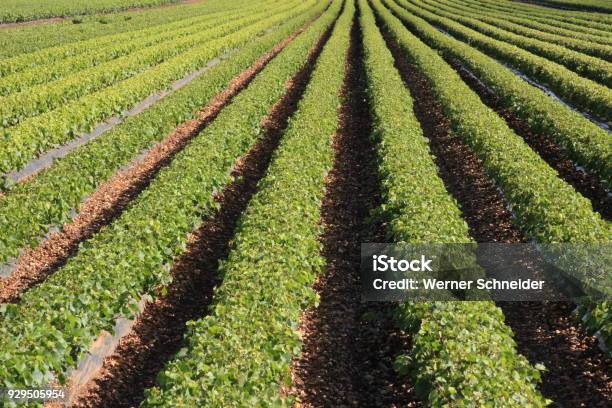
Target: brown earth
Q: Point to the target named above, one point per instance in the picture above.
(348, 346)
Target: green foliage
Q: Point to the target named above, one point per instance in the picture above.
(35, 38)
(545, 207)
(241, 353)
(595, 45)
(56, 322)
(593, 23)
(30, 209)
(590, 5)
(585, 142)
(72, 60)
(40, 133)
(583, 93)
(24, 10)
(463, 354)
(597, 318)
(584, 65)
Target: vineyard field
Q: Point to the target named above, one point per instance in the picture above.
(190, 191)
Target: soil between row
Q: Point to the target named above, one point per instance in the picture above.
(349, 346)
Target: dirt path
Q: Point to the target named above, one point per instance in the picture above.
(158, 332)
(349, 346)
(578, 373)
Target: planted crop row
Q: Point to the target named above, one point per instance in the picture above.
(31, 38)
(587, 66)
(593, 23)
(31, 208)
(556, 213)
(598, 46)
(133, 256)
(23, 10)
(587, 43)
(582, 92)
(585, 142)
(72, 45)
(545, 207)
(37, 100)
(589, 5)
(570, 15)
(37, 135)
(463, 354)
(71, 66)
(240, 354)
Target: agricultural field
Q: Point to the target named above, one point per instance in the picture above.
(186, 186)
(592, 5)
(27, 10)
